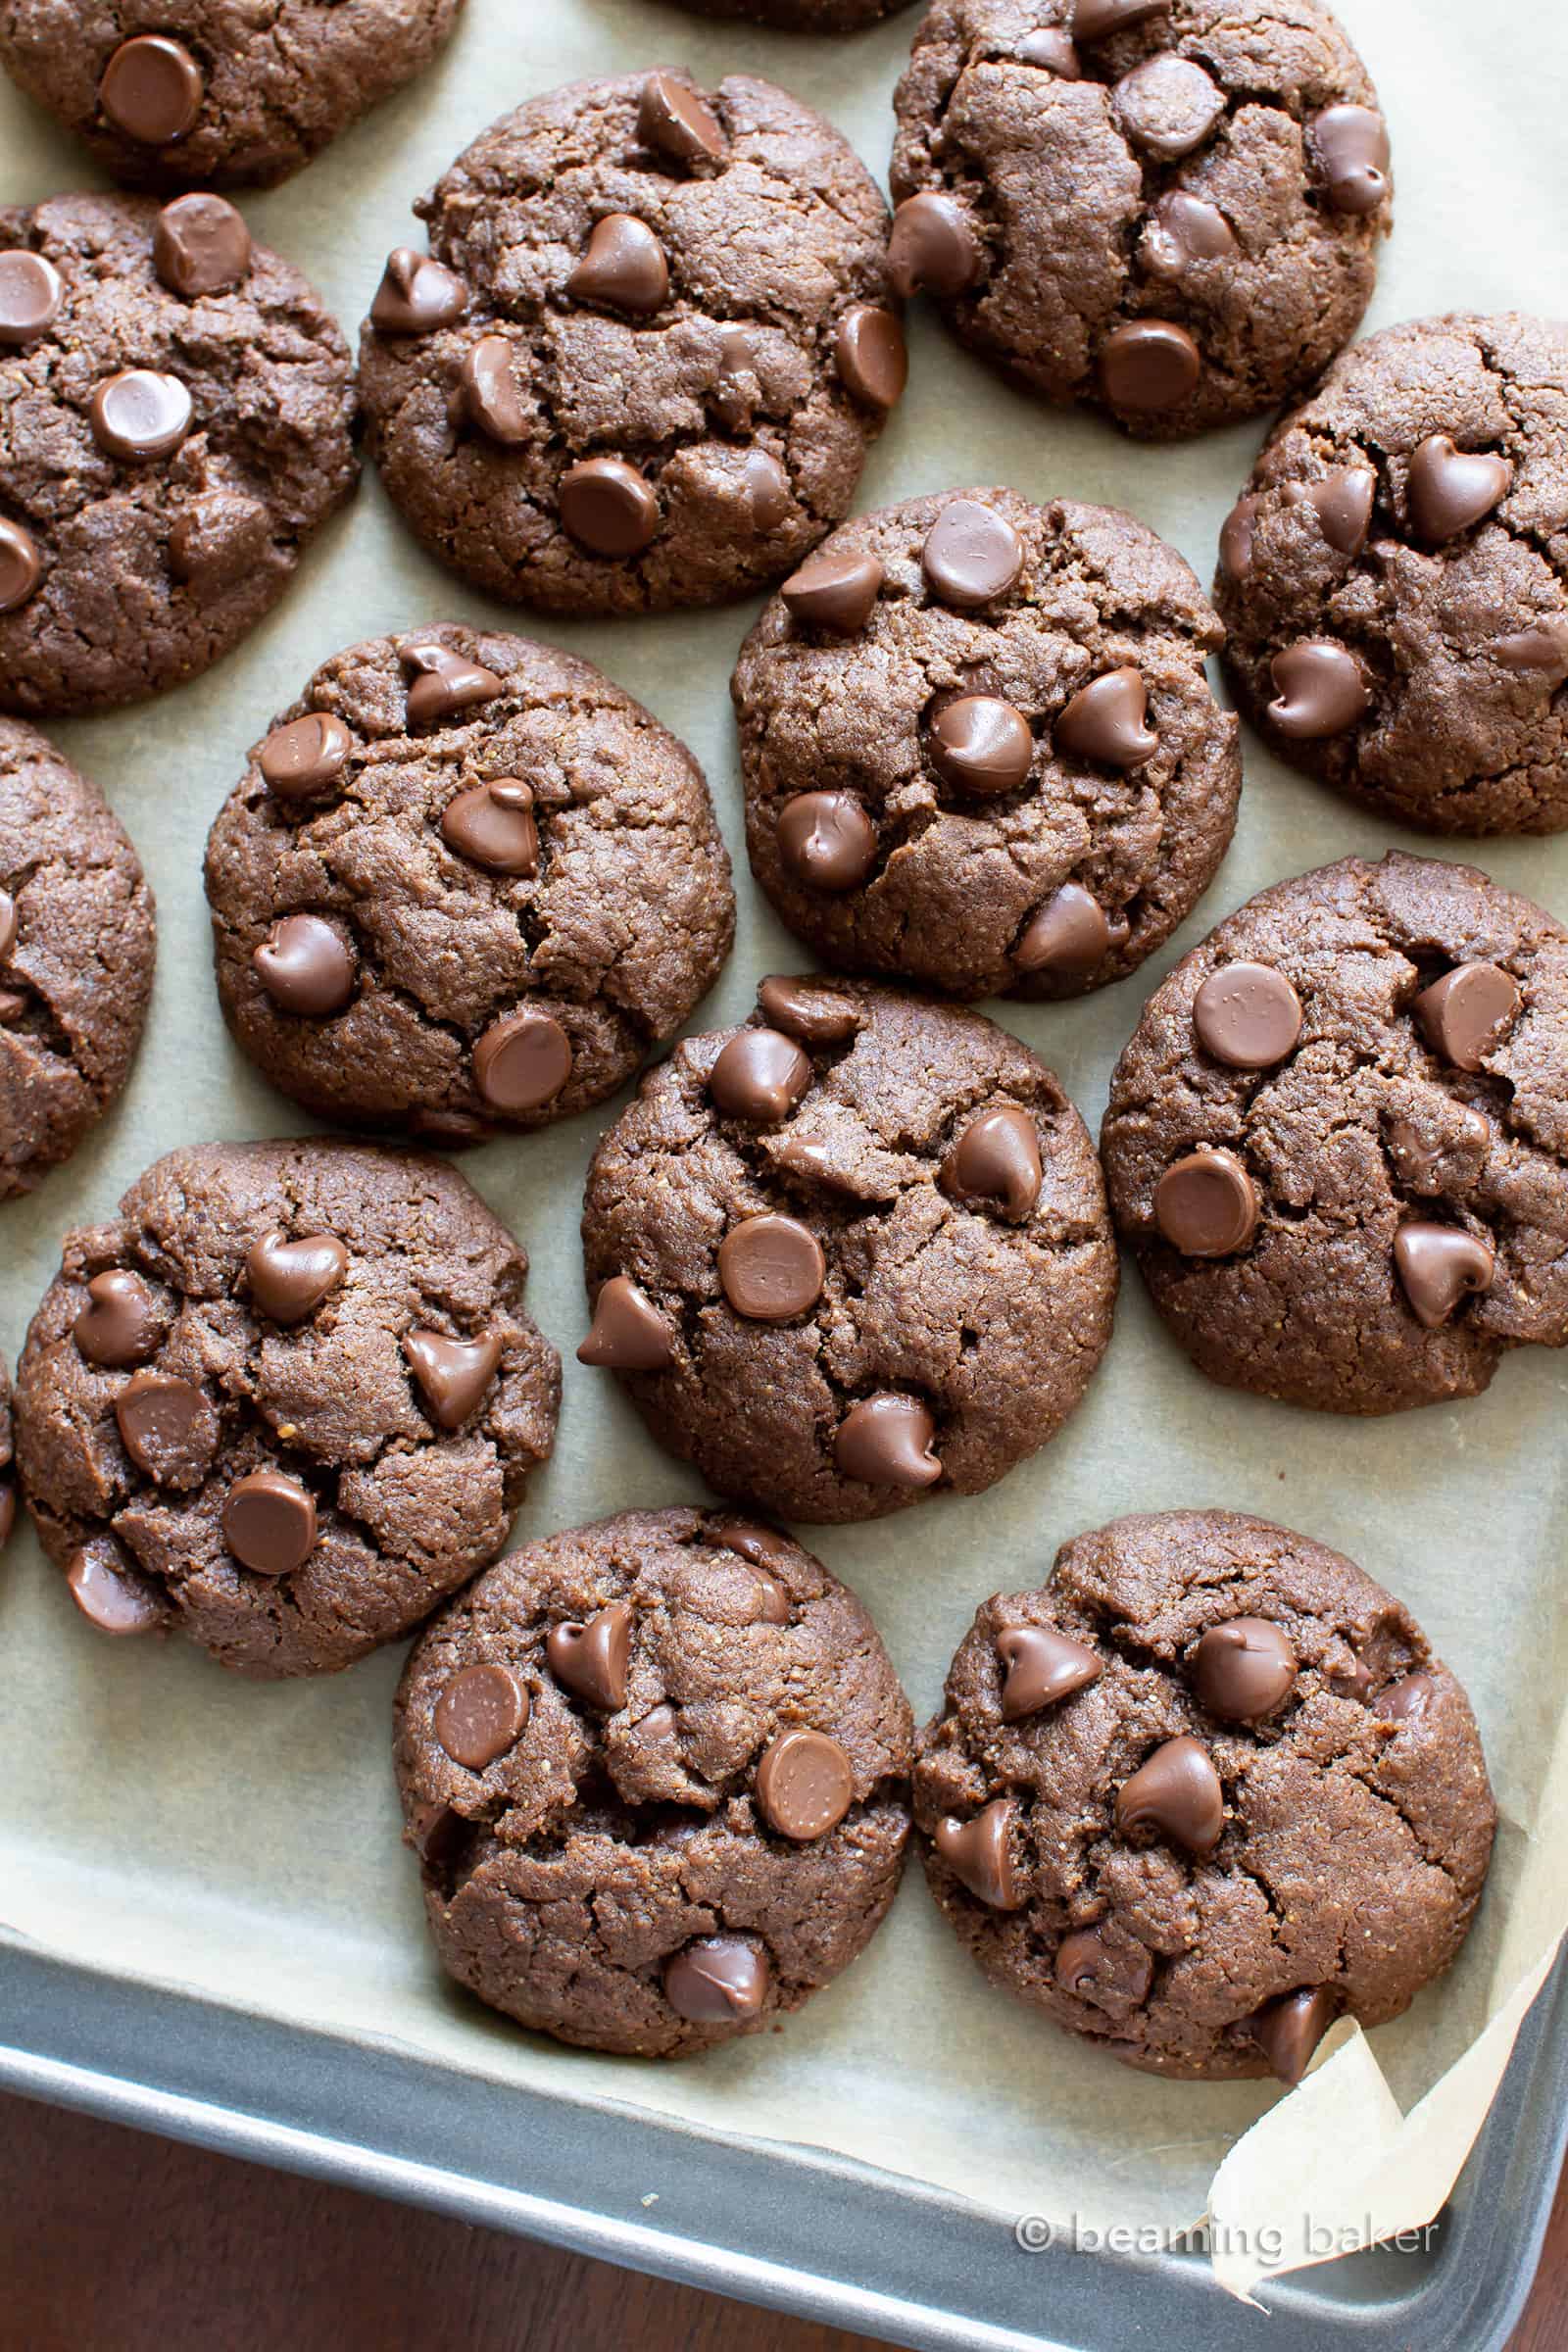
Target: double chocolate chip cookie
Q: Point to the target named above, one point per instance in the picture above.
(215, 93)
(77, 940)
(1203, 1795)
(466, 883)
(1396, 577)
(1169, 210)
(284, 1402)
(643, 359)
(175, 425)
(1338, 1142)
(850, 1256)
(979, 747)
(655, 1771)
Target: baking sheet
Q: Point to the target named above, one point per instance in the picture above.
(173, 1825)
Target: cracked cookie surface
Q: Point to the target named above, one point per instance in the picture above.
(165, 455)
(284, 1402)
(1394, 578)
(1169, 213)
(997, 838)
(647, 355)
(504, 873)
(1338, 1141)
(852, 1255)
(1323, 1856)
(77, 944)
(634, 1858)
(215, 93)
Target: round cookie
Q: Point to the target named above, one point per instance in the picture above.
(8, 1484)
(647, 353)
(284, 1402)
(466, 883)
(1394, 578)
(215, 93)
(979, 747)
(1203, 1794)
(175, 425)
(655, 1770)
(1338, 1142)
(77, 944)
(850, 1256)
(1168, 210)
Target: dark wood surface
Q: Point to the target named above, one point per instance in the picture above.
(113, 2242)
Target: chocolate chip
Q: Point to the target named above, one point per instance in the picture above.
(971, 554)
(767, 489)
(1040, 1668)
(805, 1785)
(201, 245)
(152, 90)
(826, 840)
(673, 120)
(1235, 539)
(20, 565)
(869, 352)
(886, 1442)
(1098, 19)
(417, 295)
(762, 1546)
(591, 1658)
(1107, 721)
(1112, 1975)
(1343, 502)
(1247, 1015)
(140, 414)
(305, 966)
(996, 1160)
(453, 1375)
(1167, 105)
(1149, 366)
(482, 1712)
(932, 248)
(1288, 2031)
(30, 295)
(289, 1279)
(1206, 1205)
(1438, 1266)
(811, 1015)
(445, 682)
(167, 1426)
(1408, 1701)
(981, 744)
(834, 591)
(522, 1062)
(1464, 1015)
(608, 507)
(630, 1333)
(122, 1323)
(1351, 146)
(1069, 935)
(736, 389)
(1244, 1669)
(493, 825)
(759, 1076)
(1052, 51)
(979, 1854)
(269, 1523)
(1175, 1794)
(1544, 646)
(1319, 688)
(719, 1981)
(624, 266)
(1450, 490)
(490, 392)
(1183, 230)
(305, 755)
(771, 1268)
(110, 1598)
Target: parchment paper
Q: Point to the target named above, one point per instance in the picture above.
(164, 1821)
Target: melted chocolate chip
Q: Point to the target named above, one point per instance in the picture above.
(1351, 146)
(152, 90)
(805, 1785)
(1183, 230)
(305, 966)
(122, 1323)
(674, 122)
(1439, 1267)
(20, 565)
(719, 1981)
(826, 840)
(1167, 105)
(997, 1161)
(591, 1658)
(1288, 2031)
(201, 245)
(1319, 690)
(493, 826)
(971, 554)
(759, 1076)
(481, 1713)
(624, 267)
(30, 295)
(1107, 721)
(834, 591)
(269, 1523)
(1242, 1670)
(886, 1442)
(1247, 1015)
(813, 1014)
(1452, 490)
(979, 1854)
(1174, 1794)
(771, 1268)
(304, 757)
(445, 682)
(869, 352)
(109, 1595)
(1149, 366)
(138, 415)
(1206, 1205)
(1465, 1014)
(167, 1427)
(417, 295)
(932, 248)
(453, 1375)
(608, 507)
(1042, 1668)
(630, 1333)
(1343, 503)
(490, 393)
(522, 1062)
(289, 1279)
(1069, 935)
(980, 744)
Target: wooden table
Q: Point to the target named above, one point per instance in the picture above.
(113, 2242)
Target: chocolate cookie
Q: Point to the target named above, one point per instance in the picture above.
(979, 747)
(1396, 577)
(852, 1255)
(8, 1484)
(1338, 1142)
(215, 93)
(644, 359)
(466, 883)
(1168, 210)
(175, 414)
(654, 1772)
(1206, 1792)
(284, 1402)
(77, 942)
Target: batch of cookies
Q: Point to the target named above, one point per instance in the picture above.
(658, 1772)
